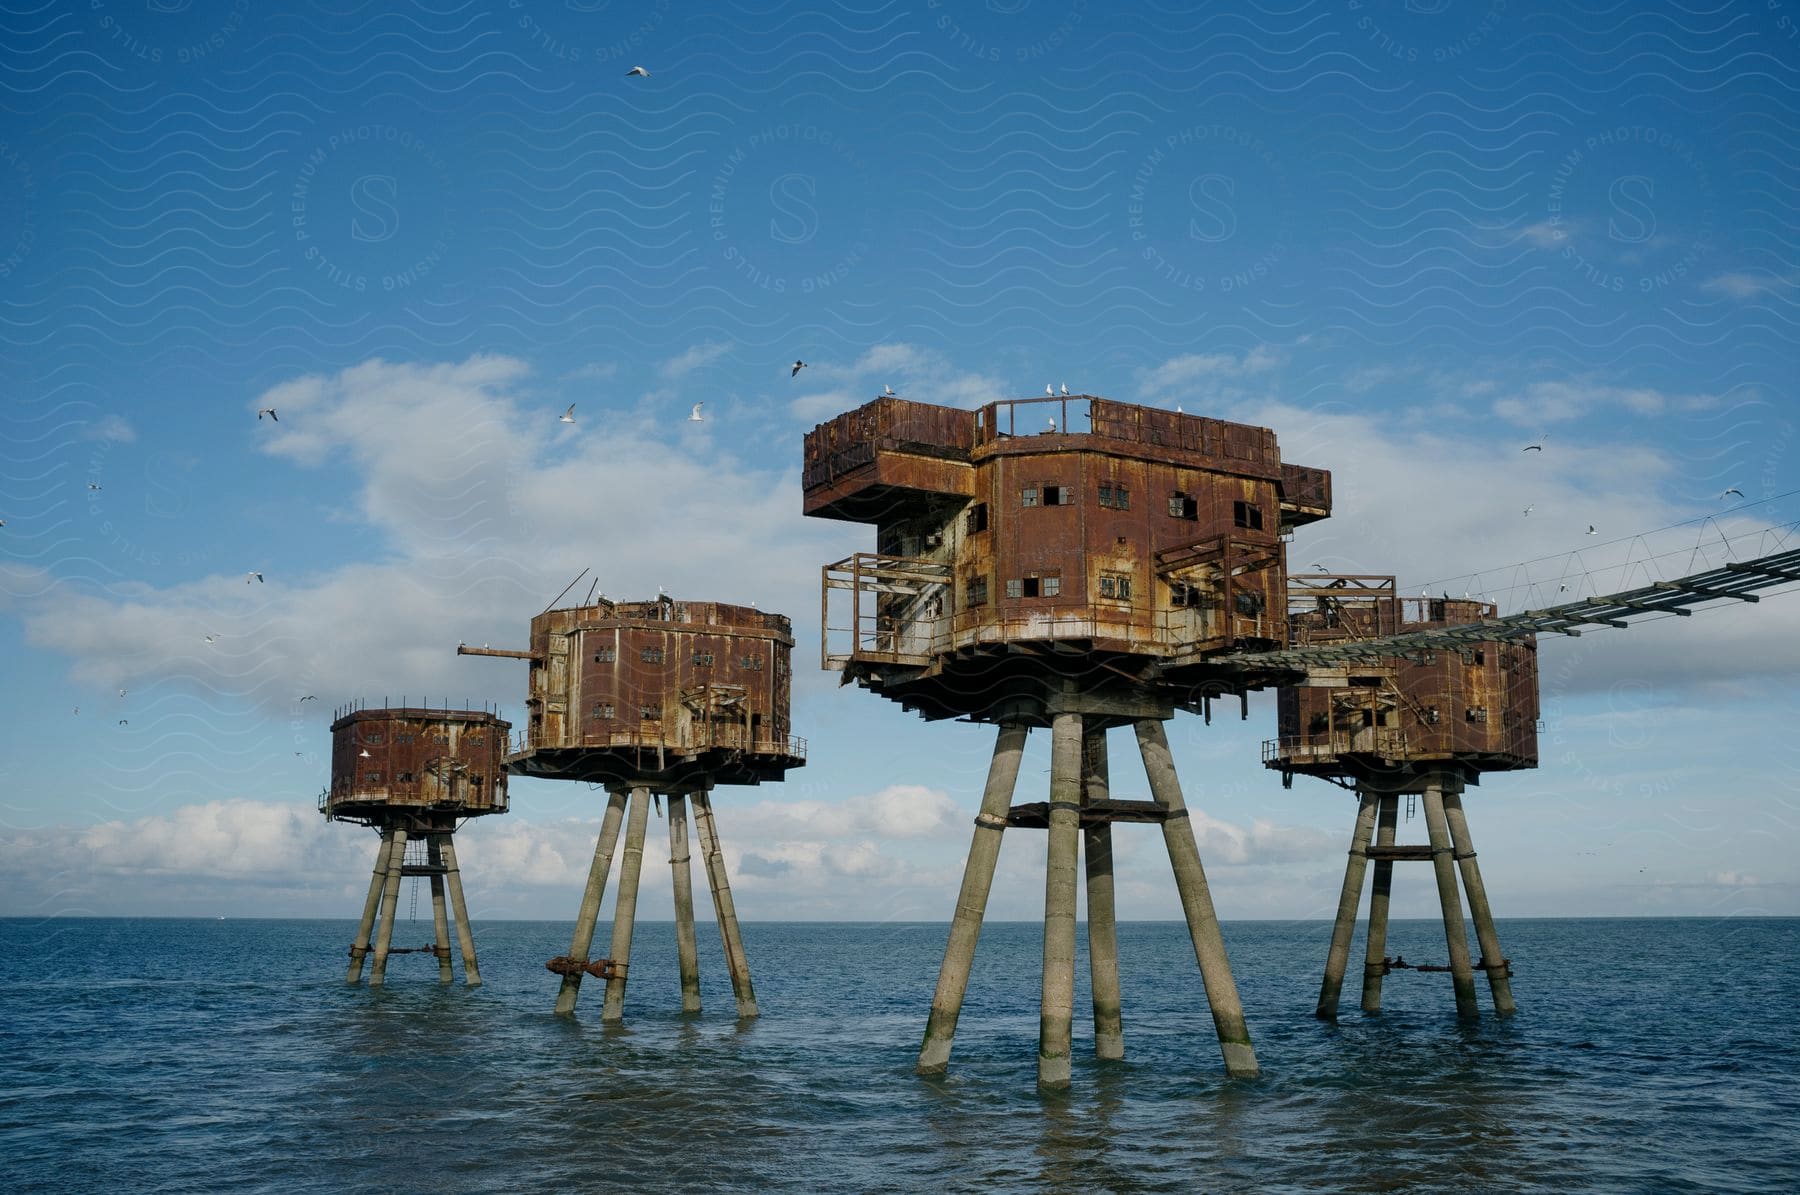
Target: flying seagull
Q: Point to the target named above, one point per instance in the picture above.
(1591, 530)
(124, 721)
(249, 577)
(309, 697)
(121, 692)
(1318, 568)
(212, 638)
(93, 485)
(638, 71)
(269, 411)
(1532, 448)
(694, 416)
(1530, 508)
(798, 366)
(1733, 490)
(567, 416)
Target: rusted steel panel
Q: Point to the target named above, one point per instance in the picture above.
(661, 688)
(1475, 708)
(416, 759)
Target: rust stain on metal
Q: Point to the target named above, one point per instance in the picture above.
(1145, 540)
(600, 968)
(1475, 707)
(427, 767)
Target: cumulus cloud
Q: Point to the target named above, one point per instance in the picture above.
(694, 358)
(111, 429)
(1205, 375)
(912, 371)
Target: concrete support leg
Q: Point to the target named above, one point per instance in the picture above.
(585, 920)
(440, 915)
(1462, 973)
(390, 903)
(736, 961)
(1483, 916)
(971, 902)
(1379, 888)
(1103, 931)
(1338, 957)
(1057, 1010)
(366, 926)
(683, 877)
(624, 920)
(1196, 903)
(459, 908)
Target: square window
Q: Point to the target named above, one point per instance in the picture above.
(1028, 496)
(651, 655)
(1056, 495)
(1108, 586)
(603, 711)
(649, 713)
(1015, 588)
(605, 655)
(1121, 498)
(703, 659)
(1247, 515)
(1115, 585)
(752, 663)
(1106, 492)
(1052, 586)
(1183, 507)
(975, 591)
(372, 738)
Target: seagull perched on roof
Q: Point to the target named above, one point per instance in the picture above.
(887, 392)
(269, 411)
(638, 72)
(694, 416)
(249, 577)
(567, 416)
(1065, 389)
(1052, 426)
(1050, 391)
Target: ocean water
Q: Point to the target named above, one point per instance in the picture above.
(185, 1055)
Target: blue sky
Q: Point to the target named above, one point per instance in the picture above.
(1410, 237)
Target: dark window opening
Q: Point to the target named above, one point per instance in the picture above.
(404, 736)
(1183, 507)
(1319, 724)
(374, 778)
(603, 711)
(403, 778)
(1183, 596)
(1247, 514)
(1431, 713)
(372, 738)
(1368, 717)
(975, 591)
(1365, 682)
(978, 518)
(649, 713)
(1247, 603)
(703, 659)
(1480, 657)
(753, 663)
(1478, 713)
(1058, 495)
(476, 779)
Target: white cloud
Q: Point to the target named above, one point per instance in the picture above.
(1747, 285)
(110, 429)
(694, 358)
(1205, 375)
(1545, 234)
(1562, 401)
(912, 371)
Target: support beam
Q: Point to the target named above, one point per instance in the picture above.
(440, 916)
(1338, 957)
(390, 903)
(624, 920)
(585, 920)
(1379, 887)
(365, 927)
(1056, 1011)
(724, 908)
(1499, 985)
(683, 880)
(971, 901)
(1462, 973)
(1103, 930)
(1196, 903)
(465, 933)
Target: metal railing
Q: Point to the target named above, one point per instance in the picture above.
(1389, 742)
